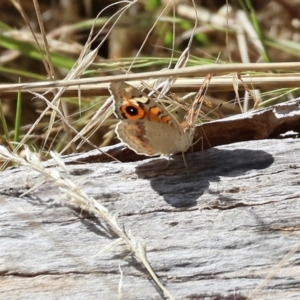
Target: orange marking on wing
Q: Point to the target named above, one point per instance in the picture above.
(165, 119)
(153, 114)
(131, 111)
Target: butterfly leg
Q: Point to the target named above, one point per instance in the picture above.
(200, 139)
(185, 164)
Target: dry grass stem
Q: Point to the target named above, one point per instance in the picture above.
(186, 71)
(73, 195)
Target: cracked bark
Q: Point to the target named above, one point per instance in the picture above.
(213, 234)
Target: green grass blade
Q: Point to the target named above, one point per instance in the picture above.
(18, 118)
(3, 121)
(248, 8)
(59, 60)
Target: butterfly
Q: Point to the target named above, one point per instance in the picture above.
(147, 127)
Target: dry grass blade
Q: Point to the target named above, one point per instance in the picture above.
(78, 198)
(274, 271)
(47, 61)
(196, 107)
(186, 71)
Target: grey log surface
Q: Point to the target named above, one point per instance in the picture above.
(213, 234)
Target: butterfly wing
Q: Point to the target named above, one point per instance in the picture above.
(132, 104)
(151, 138)
(145, 126)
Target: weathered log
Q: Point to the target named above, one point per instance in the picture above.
(213, 234)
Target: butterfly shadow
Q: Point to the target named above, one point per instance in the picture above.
(181, 189)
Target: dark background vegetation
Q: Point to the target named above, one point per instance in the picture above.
(68, 23)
